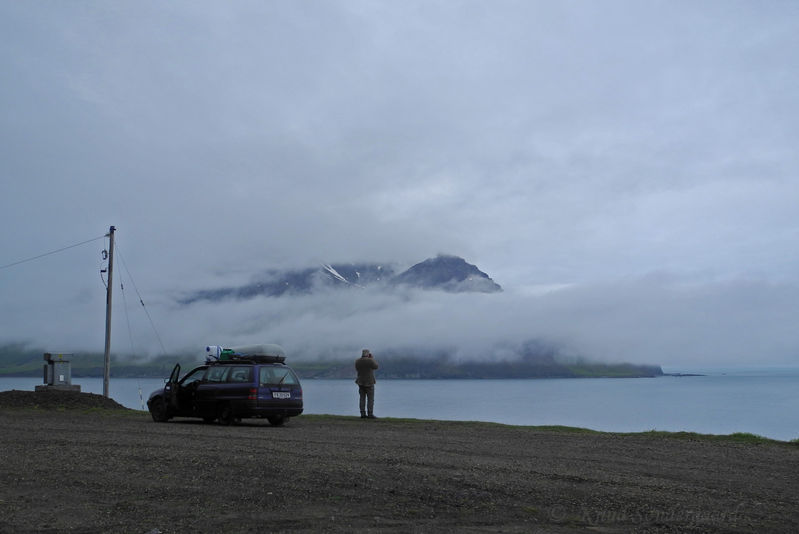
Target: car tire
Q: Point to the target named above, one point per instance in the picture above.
(277, 420)
(159, 410)
(226, 416)
(209, 419)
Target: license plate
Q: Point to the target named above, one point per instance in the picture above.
(281, 394)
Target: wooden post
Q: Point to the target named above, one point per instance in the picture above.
(107, 359)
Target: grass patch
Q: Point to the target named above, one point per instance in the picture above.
(737, 437)
(566, 429)
(475, 424)
(532, 510)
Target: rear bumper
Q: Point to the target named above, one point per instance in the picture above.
(266, 409)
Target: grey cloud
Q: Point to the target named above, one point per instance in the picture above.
(562, 144)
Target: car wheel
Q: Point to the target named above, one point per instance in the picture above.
(158, 410)
(277, 420)
(209, 419)
(226, 416)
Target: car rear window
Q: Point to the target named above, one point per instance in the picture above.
(273, 376)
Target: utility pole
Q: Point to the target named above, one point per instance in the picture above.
(107, 360)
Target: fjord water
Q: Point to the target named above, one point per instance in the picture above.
(762, 401)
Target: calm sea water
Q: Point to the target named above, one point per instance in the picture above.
(758, 401)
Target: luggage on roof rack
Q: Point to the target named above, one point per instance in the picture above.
(267, 349)
(257, 358)
(264, 353)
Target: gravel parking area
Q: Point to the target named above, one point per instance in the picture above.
(87, 465)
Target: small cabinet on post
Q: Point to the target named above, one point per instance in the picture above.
(57, 373)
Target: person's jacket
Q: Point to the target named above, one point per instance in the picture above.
(366, 371)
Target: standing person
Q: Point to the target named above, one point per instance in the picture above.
(366, 365)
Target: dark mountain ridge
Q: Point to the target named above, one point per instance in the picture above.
(446, 273)
(449, 273)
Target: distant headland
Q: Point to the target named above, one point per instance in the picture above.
(19, 361)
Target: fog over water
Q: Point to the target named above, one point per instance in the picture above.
(626, 171)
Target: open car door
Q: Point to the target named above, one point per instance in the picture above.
(171, 388)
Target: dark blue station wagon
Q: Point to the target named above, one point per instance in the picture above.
(228, 390)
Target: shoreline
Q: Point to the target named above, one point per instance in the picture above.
(615, 406)
(27, 400)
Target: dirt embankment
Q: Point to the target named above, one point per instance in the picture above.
(84, 469)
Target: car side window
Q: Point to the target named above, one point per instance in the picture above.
(194, 376)
(240, 374)
(217, 374)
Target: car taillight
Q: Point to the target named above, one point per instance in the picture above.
(253, 394)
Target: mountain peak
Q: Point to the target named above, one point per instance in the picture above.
(450, 273)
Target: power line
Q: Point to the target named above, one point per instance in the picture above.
(62, 249)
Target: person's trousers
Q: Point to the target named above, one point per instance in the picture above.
(367, 401)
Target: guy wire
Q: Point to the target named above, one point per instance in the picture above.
(51, 252)
(136, 289)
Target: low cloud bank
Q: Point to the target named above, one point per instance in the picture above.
(656, 320)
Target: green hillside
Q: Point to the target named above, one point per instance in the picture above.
(17, 360)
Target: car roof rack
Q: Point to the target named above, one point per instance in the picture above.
(263, 353)
(251, 358)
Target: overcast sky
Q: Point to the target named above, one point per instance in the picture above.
(626, 170)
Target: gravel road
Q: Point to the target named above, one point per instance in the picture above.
(89, 465)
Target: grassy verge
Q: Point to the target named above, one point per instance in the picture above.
(737, 437)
